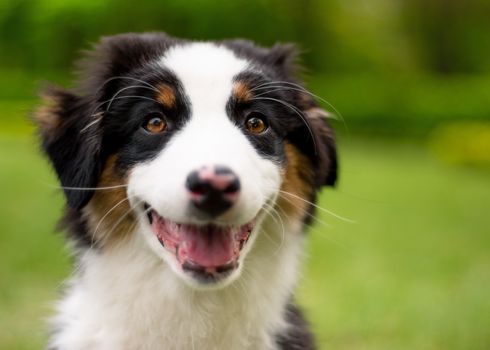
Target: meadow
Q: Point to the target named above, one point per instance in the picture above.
(407, 267)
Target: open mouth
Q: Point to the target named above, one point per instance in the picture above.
(208, 252)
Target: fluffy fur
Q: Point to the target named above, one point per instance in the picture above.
(128, 207)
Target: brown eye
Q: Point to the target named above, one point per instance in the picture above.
(155, 125)
(256, 124)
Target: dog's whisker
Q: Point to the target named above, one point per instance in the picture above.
(274, 214)
(244, 289)
(108, 233)
(99, 115)
(285, 85)
(325, 236)
(283, 231)
(314, 229)
(87, 188)
(124, 89)
(336, 116)
(304, 211)
(136, 96)
(120, 220)
(92, 123)
(107, 214)
(276, 82)
(320, 208)
(125, 77)
(298, 112)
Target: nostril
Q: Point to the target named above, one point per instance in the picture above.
(199, 189)
(233, 187)
(195, 185)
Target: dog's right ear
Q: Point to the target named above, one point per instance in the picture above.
(72, 148)
(67, 121)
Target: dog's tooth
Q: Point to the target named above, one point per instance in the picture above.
(172, 226)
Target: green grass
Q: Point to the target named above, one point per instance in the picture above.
(32, 260)
(413, 271)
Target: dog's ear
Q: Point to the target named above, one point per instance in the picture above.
(324, 147)
(72, 148)
(315, 138)
(284, 59)
(115, 57)
(69, 121)
(280, 58)
(314, 135)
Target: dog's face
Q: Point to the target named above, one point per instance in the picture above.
(190, 145)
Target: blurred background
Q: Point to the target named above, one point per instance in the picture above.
(404, 260)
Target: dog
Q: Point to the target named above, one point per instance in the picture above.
(190, 171)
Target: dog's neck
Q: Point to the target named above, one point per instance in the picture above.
(125, 297)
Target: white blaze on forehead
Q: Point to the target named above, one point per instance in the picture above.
(206, 72)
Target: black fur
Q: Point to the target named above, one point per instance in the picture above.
(76, 152)
(306, 128)
(123, 60)
(91, 123)
(298, 336)
(74, 155)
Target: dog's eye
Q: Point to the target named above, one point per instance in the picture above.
(155, 124)
(256, 123)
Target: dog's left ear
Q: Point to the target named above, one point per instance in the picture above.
(284, 58)
(71, 146)
(314, 136)
(324, 149)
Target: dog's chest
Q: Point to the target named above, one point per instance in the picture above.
(142, 305)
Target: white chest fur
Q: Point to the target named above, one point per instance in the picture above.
(127, 298)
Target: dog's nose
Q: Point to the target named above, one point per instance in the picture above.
(213, 189)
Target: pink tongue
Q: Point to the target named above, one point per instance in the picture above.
(207, 246)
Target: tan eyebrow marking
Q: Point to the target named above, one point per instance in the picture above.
(241, 91)
(166, 95)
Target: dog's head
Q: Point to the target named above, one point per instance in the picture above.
(188, 144)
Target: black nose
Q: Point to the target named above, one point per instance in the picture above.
(213, 189)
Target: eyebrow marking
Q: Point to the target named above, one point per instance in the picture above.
(166, 95)
(241, 91)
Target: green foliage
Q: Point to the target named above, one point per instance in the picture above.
(355, 35)
(462, 143)
(404, 105)
(389, 67)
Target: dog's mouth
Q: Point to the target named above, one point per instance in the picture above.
(208, 252)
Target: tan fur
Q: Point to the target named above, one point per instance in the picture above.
(318, 113)
(166, 95)
(47, 116)
(297, 181)
(241, 92)
(108, 212)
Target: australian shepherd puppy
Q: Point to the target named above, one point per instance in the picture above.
(190, 170)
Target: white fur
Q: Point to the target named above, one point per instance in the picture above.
(134, 296)
(128, 298)
(206, 72)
